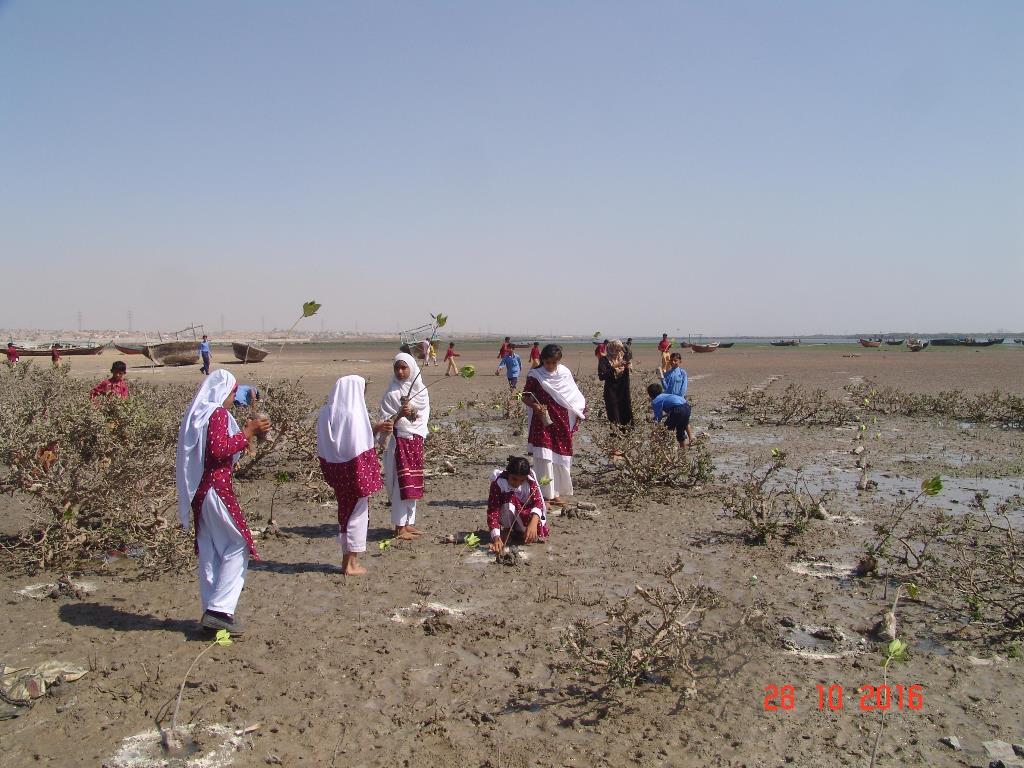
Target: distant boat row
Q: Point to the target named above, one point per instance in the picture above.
(967, 341)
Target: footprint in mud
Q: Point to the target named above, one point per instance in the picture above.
(809, 641)
(763, 385)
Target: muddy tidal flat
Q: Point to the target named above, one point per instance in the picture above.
(441, 657)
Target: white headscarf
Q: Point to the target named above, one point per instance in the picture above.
(391, 401)
(343, 428)
(562, 387)
(189, 463)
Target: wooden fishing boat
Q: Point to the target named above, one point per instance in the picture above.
(1018, 341)
(173, 352)
(65, 347)
(894, 342)
(785, 343)
(129, 349)
(972, 342)
(916, 345)
(248, 353)
(726, 345)
(870, 342)
(704, 347)
(952, 341)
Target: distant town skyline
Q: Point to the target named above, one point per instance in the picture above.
(778, 169)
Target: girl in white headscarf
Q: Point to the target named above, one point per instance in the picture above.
(209, 443)
(407, 404)
(555, 407)
(344, 443)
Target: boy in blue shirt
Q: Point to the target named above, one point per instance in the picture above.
(674, 381)
(512, 363)
(675, 408)
(245, 395)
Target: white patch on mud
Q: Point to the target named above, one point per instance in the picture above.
(483, 556)
(824, 569)
(40, 591)
(417, 613)
(217, 748)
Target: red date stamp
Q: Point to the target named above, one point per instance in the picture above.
(870, 698)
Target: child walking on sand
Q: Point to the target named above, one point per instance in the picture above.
(512, 364)
(515, 506)
(344, 444)
(407, 405)
(555, 406)
(449, 359)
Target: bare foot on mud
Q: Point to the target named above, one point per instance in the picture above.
(404, 535)
(414, 530)
(350, 566)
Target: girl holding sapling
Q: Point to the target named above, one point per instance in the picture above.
(407, 405)
(209, 444)
(344, 444)
(515, 506)
(555, 407)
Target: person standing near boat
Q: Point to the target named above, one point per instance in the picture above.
(204, 350)
(55, 355)
(209, 444)
(12, 354)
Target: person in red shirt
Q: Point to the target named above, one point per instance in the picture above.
(55, 355)
(601, 349)
(664, 346)
(449, 359)
(115, 385)
(12, 353)
(504, 347)
(535, 355)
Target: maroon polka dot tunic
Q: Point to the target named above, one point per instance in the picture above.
(218, 465)
(557, 437)
(351, 481)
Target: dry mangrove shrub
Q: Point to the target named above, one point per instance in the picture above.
(795, 406)
(292, 414)
(100, 478)
(978, 570)
(645, 459)
(772, 506)
(905, 536)
(653, 632)
(990, 407)
(451, 443)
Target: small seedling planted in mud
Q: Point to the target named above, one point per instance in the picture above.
(172, 739)
(384, 545)
(471, 540)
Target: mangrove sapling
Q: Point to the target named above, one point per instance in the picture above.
(890, 531)
(895, 651)
(172, 740)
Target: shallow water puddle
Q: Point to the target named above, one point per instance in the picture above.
(212, 746)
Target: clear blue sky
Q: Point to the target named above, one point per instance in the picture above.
(715, 167)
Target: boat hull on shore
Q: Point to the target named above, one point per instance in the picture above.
(173, 352)
(248, 353)
(65, 350)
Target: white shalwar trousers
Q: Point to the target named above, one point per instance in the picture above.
(353, 538)
(557, 468)
(223, 557)
(403, 511)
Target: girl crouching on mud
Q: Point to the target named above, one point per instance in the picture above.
(407, 405)
(515, 506)
(344, 444)
(209, 444)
